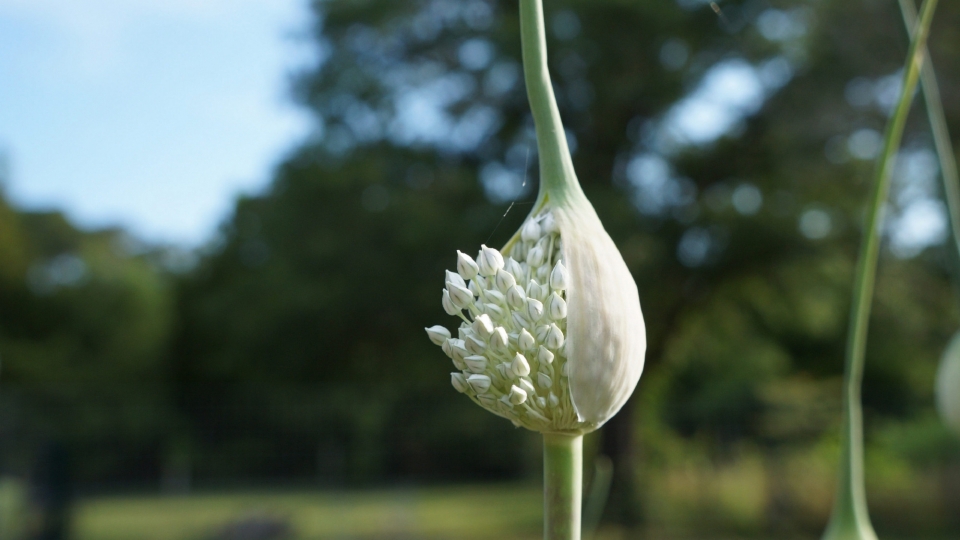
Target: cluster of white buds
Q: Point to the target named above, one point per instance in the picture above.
(551, 337)
(948, 386)
(509, 350)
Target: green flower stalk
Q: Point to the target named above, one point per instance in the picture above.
(947, 388)
(551, 335)
(850, 519)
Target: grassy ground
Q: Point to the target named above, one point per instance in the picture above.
(503, 512)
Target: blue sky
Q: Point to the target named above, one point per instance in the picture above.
(150, 114)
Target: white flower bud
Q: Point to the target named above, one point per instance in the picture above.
(544, 380)
(558, 278)
(504, 370)
(495, 297)
(554, 338)
(499, 341)
(541, 332)
(447, 304)
(459, 382)
(530, 232)
(458, 348)
(512, 266)
(948, 386)
(544, 356)
(493, 310)
(525, 341)
(447, 347)
(542, 402)
(438, 334)
(543, 274)
(461, 296)
(527, 386)
(516, 297)
(483, 326)
(474, 287)
(517, 395)
(534, 310)
(535, 256)
(479, 383)
(553, 399)
(549, 225)
(466, 266)
(505, 280)
(534, 290)
(474, 345)
(520, 365)
(476, 363)
(520, 320)
(489, 261)
(556, 307)
(455, 279)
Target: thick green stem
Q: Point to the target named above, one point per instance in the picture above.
(941, 134)
(562, 486)
(557, 177)
(850, 519)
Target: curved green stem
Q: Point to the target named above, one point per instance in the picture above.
(557, 177)
(941, 134)
(562, 486)
(850, 519)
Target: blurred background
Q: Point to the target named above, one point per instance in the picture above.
(224, 226)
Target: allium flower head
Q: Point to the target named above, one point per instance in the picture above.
(948, 385)
(551, 334)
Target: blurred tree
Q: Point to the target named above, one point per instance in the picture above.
(82, 332)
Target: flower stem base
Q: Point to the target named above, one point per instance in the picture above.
(562, 486)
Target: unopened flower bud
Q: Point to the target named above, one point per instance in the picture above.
(534, 290)
(476, 363)
(554, 338)
(483, 326)
(527, 386)
(517, 395)
(505, 280)
(525, 341)
(499, 341)
(447, 304)
(489, 261)
(495, 297)
(535, 256)
(461, 296)
(459, 382)
(542, 402)
(553, 400)
(544, 356)
(534, 310)
(504, 370)
(466, 266)
(556, 307)
(549, 225)
(543, 275)
(948, 386)
(455, 279)
(493, 310)
(511, 265)
(474, 345)
(479, 383)
(438, 334)
(520, 320)
(544, 380)
(558, 278)
(520, 366)
(530, 232)
(516, 297)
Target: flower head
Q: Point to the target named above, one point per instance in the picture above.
(562, 354)
(948, 385)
